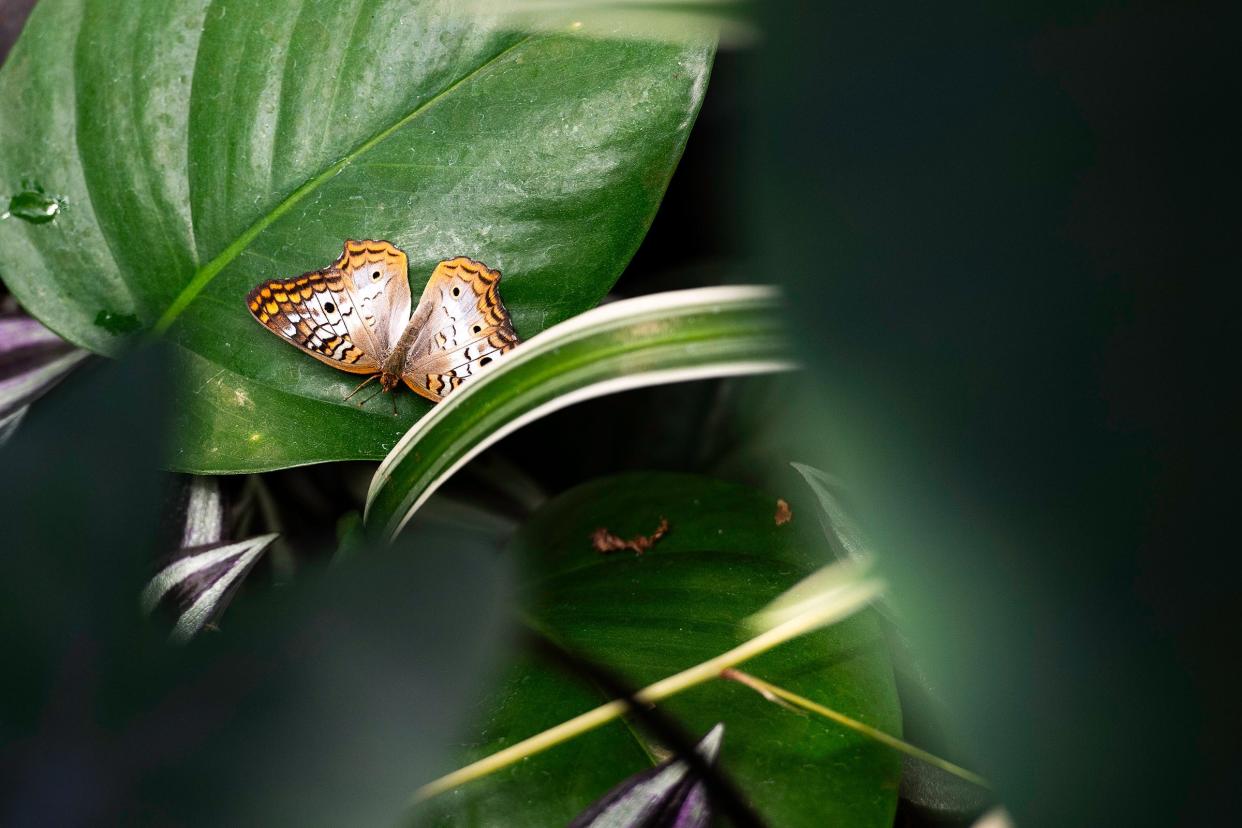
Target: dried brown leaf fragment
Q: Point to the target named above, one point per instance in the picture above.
(604, 541)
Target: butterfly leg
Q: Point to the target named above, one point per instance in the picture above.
(378, 391)
(360, 387)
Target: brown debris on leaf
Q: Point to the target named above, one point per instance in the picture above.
(603, 541)
(783, 513)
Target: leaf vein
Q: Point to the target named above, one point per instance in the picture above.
(213, 268)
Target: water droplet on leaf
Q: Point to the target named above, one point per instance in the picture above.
(33, 206)
(117, 324)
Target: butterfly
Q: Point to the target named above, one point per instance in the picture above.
(355, 315)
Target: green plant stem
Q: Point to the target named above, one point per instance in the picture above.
(850, 602)
(773, 693)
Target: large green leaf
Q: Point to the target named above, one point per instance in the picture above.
(198, 147)
(651, 616)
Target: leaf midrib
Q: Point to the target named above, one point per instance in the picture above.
(209, 271)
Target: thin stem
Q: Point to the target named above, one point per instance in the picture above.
(850, 601)
(773, 693)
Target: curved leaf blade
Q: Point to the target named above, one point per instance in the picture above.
(199, 147)
(202, 581)
(651, 340)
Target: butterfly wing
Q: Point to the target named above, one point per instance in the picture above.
(343, 315)
(378, 282)
(308, 312)
(463, 328)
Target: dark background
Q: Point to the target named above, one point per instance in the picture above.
(1010, 235)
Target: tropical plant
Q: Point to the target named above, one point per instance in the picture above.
(158, 163)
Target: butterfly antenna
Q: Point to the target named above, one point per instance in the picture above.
(394, 405)
(360, 387)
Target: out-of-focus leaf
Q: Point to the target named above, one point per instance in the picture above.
(842, 531)
(995, 818)
(652, 340)
(317, 705)
(675, 20)
(196, 148)
(940, 796)
(32, 360)
(645, 618)
(328, 702)
(670, 795)
(78, 517)
(832, 592)
(1000, 231)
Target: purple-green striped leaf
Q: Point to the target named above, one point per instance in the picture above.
(32, 360)
(670, 795)
(202, 576)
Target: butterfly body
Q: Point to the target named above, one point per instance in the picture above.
(355, 316)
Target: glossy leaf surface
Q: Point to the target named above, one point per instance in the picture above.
(651, 616)
(195, 148)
